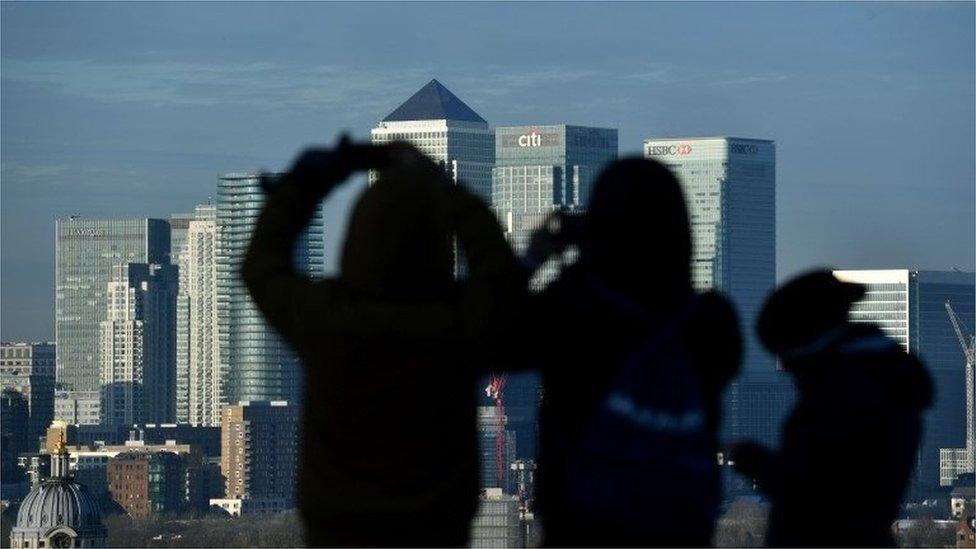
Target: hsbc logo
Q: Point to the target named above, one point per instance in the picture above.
(669, 150)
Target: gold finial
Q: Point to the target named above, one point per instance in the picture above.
(62, 447)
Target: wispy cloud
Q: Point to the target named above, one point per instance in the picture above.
(751, 79)
(356, 89)
(262, 85)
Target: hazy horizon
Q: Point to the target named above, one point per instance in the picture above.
(134, 109)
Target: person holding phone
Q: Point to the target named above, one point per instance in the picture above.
(392, 346)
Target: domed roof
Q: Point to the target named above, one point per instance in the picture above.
(59, 501)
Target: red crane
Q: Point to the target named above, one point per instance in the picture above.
(494, 390)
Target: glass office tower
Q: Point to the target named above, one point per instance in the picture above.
(910, 307)
(447, 130)
(541, 169)
(538, 170)
(730, 187)
(258, 364)
(86, 250)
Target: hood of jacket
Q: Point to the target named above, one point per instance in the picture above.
(399, 242)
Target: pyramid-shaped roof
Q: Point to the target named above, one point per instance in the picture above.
(434, 102)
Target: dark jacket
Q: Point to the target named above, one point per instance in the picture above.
(391, 348)
(588, 339)
(850, 444)
(635, 245)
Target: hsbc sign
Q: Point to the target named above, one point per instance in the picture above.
(669, 150)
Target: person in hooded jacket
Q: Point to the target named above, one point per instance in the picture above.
(855, 428)
(632, 280)
(391, 347)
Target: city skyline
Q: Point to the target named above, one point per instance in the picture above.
(93, 131)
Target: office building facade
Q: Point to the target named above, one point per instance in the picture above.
(910, 307)
(260, 444)
(78, 407)
(496, 467)
(729, 186)
(148, 483)
(29, 368)
(138, 345)
(541, 169)
(498, 522)
(447, 130)
(257, 364)
(14, 422)
(199, 390)
(86, 252)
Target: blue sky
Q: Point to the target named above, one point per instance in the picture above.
(133, 109)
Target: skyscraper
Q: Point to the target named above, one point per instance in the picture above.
(259, 366)
(538, 170)
(729, 185)
(494, 460)
(86, 252)
(138, 345)
(909, 305)
(541, 169)
(199, 378)
(448, 131)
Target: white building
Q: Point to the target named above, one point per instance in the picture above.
(910, 307)
(729, 185)
(238, 507)
(445, 129)
(138, 345)
(198, 390)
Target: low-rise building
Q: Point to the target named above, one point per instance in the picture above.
(28, 368)
(238, 507)
(148, 483)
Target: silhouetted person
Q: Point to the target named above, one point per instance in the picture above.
(391, 346)
(633, 363)
(849, 446)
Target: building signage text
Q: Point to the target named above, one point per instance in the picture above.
(669, 150)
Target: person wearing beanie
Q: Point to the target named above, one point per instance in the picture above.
(848, 447)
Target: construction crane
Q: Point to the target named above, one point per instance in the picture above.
(495, 391)
(968, 342)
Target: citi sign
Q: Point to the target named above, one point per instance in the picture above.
(669, 150)
(531, 139)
